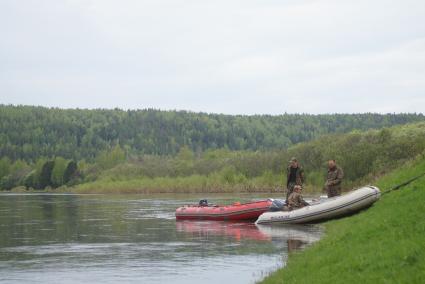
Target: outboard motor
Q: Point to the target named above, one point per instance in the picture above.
(203, 203)
(277, 205)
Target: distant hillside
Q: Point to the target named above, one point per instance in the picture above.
(362, 155)
(29, 133)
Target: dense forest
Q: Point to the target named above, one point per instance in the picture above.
(29, 133)
(363, 154)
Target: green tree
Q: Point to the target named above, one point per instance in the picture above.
(111, 158)
(184, 161)
(57, 177)
(30, 180)
(4, 166)
(17, 171)
(35, 179)
(45, 174)
(70, 171)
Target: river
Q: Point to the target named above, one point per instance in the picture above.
(67, 238)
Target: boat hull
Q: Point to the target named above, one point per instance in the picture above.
(235, 212)
(331, 208)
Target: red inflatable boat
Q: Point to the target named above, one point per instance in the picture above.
(234, 212)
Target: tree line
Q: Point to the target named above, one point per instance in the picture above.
(29, 133)
(363, 155)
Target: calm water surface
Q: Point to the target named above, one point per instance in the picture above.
(48, 238)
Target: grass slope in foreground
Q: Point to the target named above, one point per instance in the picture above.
(385, 244)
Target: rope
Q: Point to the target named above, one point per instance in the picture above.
(403, 184)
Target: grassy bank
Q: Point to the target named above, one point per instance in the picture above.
(385, 244)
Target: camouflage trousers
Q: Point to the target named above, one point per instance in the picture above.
(289, 190)
(333, 191)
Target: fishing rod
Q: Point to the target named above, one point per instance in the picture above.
(403, 184)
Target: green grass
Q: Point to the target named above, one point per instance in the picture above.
(213, 183)
(186, 184)
(384, 244)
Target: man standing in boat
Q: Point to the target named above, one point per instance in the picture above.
(334, 179)
(294, 176)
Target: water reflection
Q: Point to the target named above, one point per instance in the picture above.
(294, 244)
(295, 236)
(107, 238)
(237, 231)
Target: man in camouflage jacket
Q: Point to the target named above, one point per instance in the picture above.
(334, 179)
(294, 176)
(295, 200)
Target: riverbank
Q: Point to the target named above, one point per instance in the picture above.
(384, 244)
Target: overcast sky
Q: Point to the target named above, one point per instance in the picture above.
(235, 57)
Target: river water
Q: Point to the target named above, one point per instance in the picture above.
(66, 238)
